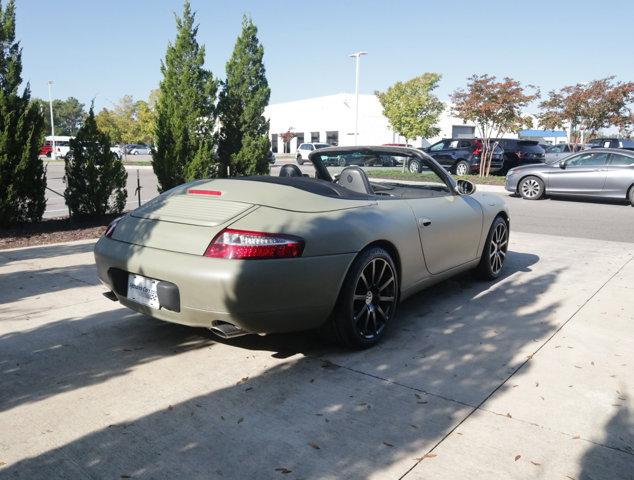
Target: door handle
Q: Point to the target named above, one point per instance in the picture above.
(424, 222)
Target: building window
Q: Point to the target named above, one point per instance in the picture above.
(314, 137)
(274, 143)
(300, 139)
(332, 138)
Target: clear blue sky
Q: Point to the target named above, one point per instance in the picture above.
(105, 49)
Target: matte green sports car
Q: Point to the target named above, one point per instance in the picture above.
(276, 254)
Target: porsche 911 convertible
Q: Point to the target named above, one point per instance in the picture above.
(269, 254)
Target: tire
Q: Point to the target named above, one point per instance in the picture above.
(415, 166)
(494, 251)
(531, 188)
(367, 301)
(462, 168)
(300, 160)
(630, 195)
(341, 161)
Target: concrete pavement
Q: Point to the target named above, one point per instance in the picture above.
(527, 377)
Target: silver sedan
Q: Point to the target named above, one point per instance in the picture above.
(604, 173)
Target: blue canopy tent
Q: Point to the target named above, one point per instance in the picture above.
(532, 133)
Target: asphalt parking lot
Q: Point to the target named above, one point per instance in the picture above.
(527, 377)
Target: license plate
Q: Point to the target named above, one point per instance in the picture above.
(143, 290)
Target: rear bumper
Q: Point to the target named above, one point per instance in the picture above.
(259, 296)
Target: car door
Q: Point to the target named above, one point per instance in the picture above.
(582, 174)
(620, 175)
(449, 224)
(441, 152)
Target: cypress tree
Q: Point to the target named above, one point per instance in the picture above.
(185, 110)
(244, 143)
(22, 178)
(95, 177)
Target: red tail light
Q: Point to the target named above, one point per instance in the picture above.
(242, 244)
(477, 148)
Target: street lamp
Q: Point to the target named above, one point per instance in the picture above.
(357, 57)
(50, 106)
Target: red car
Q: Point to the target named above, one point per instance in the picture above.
(45, 150)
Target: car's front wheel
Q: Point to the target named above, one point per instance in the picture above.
(495, 250)
(300, 160)
(367, 301)
(630, 195)
(531, 188)
(341, 161)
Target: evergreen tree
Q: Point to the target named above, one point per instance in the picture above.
(95, 177)
(22, 178)
(185, 111)
(244, 141)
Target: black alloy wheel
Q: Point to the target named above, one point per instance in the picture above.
(367, 301)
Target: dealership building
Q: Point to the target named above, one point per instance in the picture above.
(330, 119)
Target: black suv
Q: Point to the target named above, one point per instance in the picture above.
(462, 155)
(626, 143)
(520, 152)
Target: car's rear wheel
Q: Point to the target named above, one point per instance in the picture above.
(495, 250)
(415, 166)
(300, 160)
(462, 168)
(367, 301)
(531, 188)
(630, 195)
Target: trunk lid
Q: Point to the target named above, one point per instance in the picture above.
(186, 218)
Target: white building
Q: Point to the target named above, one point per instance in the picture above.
(330, 119)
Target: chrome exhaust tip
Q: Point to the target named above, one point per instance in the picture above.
(226, 330)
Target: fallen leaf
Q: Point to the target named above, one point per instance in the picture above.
(387, 444)
(592, 363)
(535, 463)
(418, 396)
(517, 457)
(242, 380)
(509, 415)
(413, 426)
(241, 419)
(248, 388)
(537, 384)
(576, 437)
(283, 470)
(170, 407)
(571, 478)
(314, 445)
(312, 380)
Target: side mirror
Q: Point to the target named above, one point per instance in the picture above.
(562, 165)
(465, 187)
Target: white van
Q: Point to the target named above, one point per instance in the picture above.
(62, 144)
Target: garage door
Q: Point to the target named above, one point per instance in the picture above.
(462, 131)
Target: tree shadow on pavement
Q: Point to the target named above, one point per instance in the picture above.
(72, 353)
(324, 414)
(612, 457)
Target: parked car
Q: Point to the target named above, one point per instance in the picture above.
(561, 150)
(117, 151)
(626, 143)
(305, 149)
(520, 152)
(45, 150)
(345, 252)
(461, 156)
(140, 150)
(604, 172)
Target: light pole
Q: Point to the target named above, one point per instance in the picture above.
(50, 107)
(357, 57)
